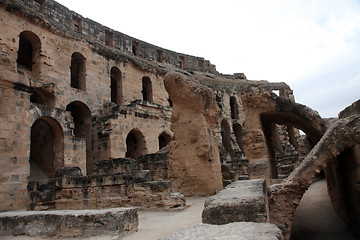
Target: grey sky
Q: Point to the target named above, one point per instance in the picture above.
(312, 45)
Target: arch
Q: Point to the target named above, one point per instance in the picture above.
(234, 108)
(135, 144)
(226, 138)
(116, 85)
(164, 139)
(78, 71)
(46, 148)
(238, 131)
(341, 136)
(29, 52)
(147, 89)
(82, 128)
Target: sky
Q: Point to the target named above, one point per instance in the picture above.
(312, 45)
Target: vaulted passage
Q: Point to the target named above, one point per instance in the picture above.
(135, 144)
(46, 149)
(234, 107)
(238, 131)
(226, 138)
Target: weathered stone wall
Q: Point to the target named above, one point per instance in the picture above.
(194, 165)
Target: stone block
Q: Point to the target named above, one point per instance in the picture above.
(231, 231)
(77, 223)
(241, 201)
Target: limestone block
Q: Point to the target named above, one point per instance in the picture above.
(77, 223)
(231, 231)
(241, 201)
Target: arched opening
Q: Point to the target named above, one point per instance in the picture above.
(78, 71)
(46, 149)
(234, 107)
(81, 117)
(147, 89)
(269, 122)
(135, 144)
(116, 86)
(29, 52)
(164, 140)
(315, 217)
(238, 134)
(226, 138)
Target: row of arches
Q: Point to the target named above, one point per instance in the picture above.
(28, 58)
(47, 142)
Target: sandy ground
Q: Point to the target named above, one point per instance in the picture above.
(153, 225)
(315, 218)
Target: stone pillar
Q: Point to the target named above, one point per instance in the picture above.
(194, 163)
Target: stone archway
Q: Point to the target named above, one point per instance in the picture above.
(135, 144)
(164, 139)
(46, 149)
(339, 146)
(82, 128)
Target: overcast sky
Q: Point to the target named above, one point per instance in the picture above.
(314, 46)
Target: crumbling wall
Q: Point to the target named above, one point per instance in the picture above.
(194, 165)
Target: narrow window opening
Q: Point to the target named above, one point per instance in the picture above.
(78, 71)
(135, 48)
(147, 89)
(77, 24)
(160, 56)
(116, 86)
(29, 52)
(109, 38)
(234, 108)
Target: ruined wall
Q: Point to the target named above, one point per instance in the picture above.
(194, 165)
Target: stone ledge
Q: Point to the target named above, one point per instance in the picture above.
(65, 223)
(241, 201)
(231, 231)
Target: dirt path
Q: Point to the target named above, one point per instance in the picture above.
(315, 218)
(154, 225)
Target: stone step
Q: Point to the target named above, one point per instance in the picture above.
(65, 223)
(241, 201)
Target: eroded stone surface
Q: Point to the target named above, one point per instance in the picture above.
(76, 223)
(241, 201)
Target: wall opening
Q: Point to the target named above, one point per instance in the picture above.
(81, 117)
(238, 131)
(29, 52)
(147, 89)
(43, 96)
(164, 139)
(78, 71)
(182, 62)
(109, 38)
(135, 144)
(135, 48)
(234, 108)
(160, 56)
(116, 85)
(41, 5)
(77, 24)
(226, 138)
(46, 149)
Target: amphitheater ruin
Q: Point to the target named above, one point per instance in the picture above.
(101, 123)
